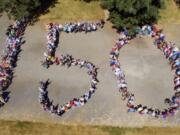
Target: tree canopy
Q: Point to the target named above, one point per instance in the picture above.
(178, 3)
(24, 8)
(131, 13)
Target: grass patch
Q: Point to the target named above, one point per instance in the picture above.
(170, 14)
(73, 10)
(31, 128)
(142, 131)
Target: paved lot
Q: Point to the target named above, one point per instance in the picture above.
(147, 72)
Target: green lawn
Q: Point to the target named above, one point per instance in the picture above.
(30, 128)
(73, 10)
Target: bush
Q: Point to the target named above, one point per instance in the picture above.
(132, 13)
(24, 8)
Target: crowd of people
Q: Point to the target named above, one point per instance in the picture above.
(66, 60)
(81, 26)
(13, 47)
(9, 58)
(54, 31)
(171, 53)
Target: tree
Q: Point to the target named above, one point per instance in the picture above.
(131, 13)
(178, 3)
(24, 8)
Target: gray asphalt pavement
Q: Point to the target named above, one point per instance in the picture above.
(147, 71)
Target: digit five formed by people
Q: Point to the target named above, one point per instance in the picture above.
(54, 30)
